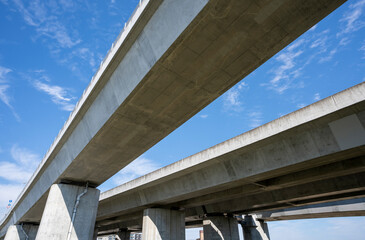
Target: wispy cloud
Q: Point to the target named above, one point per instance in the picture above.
(301, 105)
(351, 20)
(48, 25)
(21, 168)
(231, 99)
(3, 72)
(85, 54)
(4, 97)
(362, 49)
(255, 119)
(15, 173)
(59, 95)
(135, 169)
(204, 115)
(285, 73)
(25, 157)
(317, 97)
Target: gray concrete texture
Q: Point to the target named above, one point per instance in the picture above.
(57, 215)
(349, 207)
(220, 228)
(163, 224)
(296, 159)
(21, 232)
(253, 229)
(174, 59)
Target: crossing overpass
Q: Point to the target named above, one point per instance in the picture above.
(312, 156)
(171, 59)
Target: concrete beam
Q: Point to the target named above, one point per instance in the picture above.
(350, 207)
(296, 149)
(163, 224)
(172, 59)
(69, 213)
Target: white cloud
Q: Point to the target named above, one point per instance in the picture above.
(36, 15)
(329, 56)
(255, 119)
(321, 41)
(8, 192)
(3, 72)
(231, 100)
(4, 97)
(86, 55)
(352, 18)
(59, 95)
(317, 97)
(301, 105)
(286, 72)
(362, 48)
(24, 157)
(242, 85)
(135, 169)
(16, 173)
(204, 115)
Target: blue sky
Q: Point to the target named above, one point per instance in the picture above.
(49, 50)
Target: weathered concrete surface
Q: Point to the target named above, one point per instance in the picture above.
(294, 160)
(124, 235)
(173, 58)
(220, 228)
(344, 208)
(163, 224)
(253, 229)
(21, 232)
(57, 215)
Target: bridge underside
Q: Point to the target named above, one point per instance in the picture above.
(178, 57)
(308, 164)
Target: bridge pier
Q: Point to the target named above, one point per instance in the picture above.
(21, 232)
(254, 229)
(220, 227)
(64, 203)
(163, 224)
(124, 235)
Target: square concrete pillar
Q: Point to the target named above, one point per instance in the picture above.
(21, 232)
(220, 228)
(254, 229)
(62, 204)
(163, 224)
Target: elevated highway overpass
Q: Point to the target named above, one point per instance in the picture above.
(171, 60)
(312, 156)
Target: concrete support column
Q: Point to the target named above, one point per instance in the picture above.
(64, 203)
(21, 232)
(124, 235)
(95, 234)
(254, 229)
(220, 227)
(163, 224)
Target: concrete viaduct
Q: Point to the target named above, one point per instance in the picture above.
(312, 156)
(171, 60)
